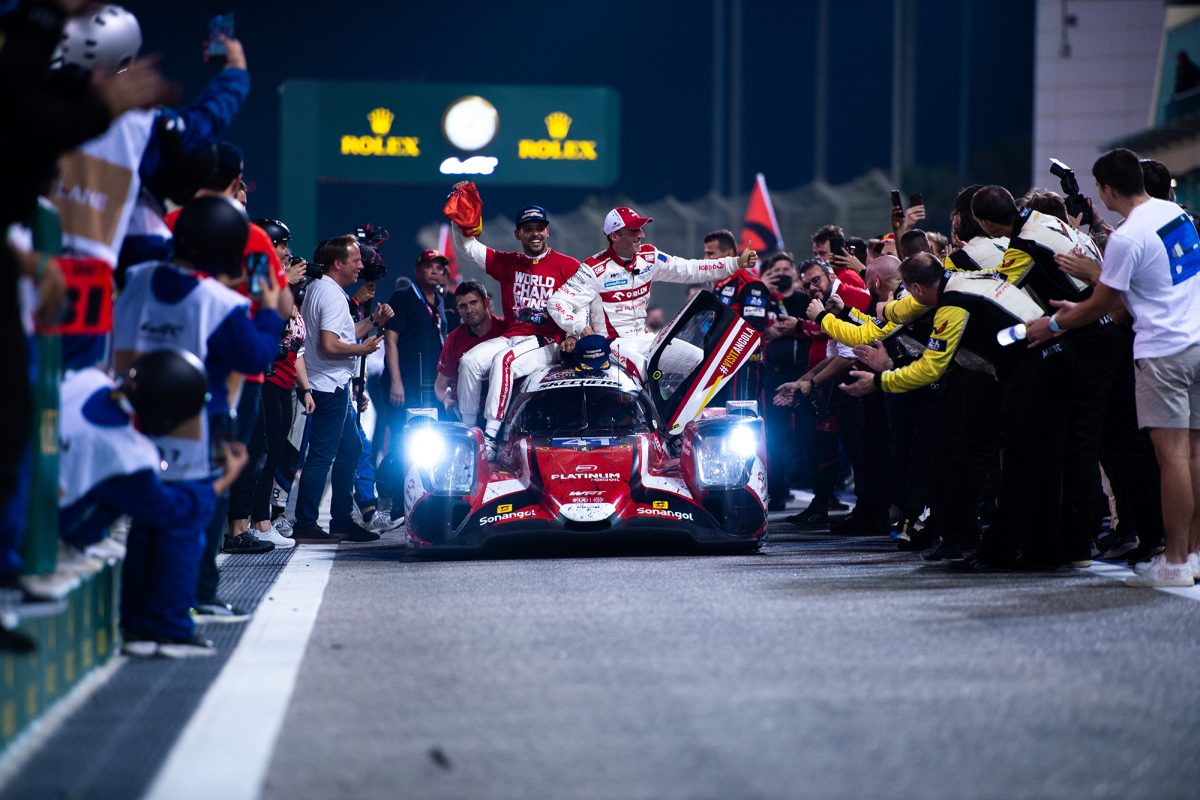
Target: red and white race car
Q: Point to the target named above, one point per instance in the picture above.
(589, 455)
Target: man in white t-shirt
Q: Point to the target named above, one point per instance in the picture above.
(1152, 262)
(331, 357)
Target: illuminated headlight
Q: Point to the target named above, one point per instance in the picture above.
(445, 456)
(724, 455)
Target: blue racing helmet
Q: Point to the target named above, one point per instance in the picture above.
(591, 353)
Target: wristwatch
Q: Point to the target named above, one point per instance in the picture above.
(1053, 324)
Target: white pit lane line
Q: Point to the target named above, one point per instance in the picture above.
(1120, 573)
(247, 703)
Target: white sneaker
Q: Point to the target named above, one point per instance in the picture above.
(379, 523)
(1163, 573)
(276, 538)
(140, 648)
(489, 448)
(1194, 562)
(54, 586)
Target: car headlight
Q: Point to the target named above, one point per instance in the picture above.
(724, 453)
(445, 456)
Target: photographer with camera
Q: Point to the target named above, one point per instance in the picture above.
(370, 368)
(332, 356)
(281, 238)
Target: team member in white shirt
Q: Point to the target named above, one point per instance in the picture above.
(1152, 262)
(331, 356)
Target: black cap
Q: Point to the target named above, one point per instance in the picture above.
(211, 234)
(167, 388)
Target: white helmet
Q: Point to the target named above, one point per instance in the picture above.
(104, 41)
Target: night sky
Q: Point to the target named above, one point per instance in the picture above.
(658, 57)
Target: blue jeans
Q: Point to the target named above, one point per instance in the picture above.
(364, 476)
(333, 441)
(158, 579)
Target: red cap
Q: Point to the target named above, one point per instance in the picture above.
(624, 217)
(431, 255)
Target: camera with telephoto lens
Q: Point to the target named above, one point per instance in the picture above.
(1077, 204)
(312, 270)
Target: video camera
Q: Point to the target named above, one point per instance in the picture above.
(1077, 204)
(373, 235)
(373, 267)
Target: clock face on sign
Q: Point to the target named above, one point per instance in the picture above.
(470, 123)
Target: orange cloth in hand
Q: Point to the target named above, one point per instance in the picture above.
(465, 209)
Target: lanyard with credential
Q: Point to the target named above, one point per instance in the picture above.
(439, 318)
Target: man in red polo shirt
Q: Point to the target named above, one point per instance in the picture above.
(474, 306)
(527, 279)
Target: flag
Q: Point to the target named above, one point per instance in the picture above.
(445, 246)
(761, 230)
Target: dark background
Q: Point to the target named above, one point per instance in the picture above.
(658, 57)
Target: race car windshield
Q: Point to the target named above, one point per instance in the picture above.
(576, 411)
(683, 353)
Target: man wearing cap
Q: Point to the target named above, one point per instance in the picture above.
(527, 279)
(621, 277)
(415, 335)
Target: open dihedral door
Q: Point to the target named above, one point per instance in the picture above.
(694, 356)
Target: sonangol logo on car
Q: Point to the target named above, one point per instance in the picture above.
(526, 514)
(662, 512)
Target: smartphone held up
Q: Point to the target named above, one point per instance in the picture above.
(220, 29)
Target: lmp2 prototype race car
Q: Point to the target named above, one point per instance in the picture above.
(604, 455)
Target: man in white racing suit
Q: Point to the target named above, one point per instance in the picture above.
(621, 277)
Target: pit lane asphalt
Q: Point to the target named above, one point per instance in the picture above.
(823, 667)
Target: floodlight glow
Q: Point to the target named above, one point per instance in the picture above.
(470, 123)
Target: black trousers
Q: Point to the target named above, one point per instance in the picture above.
(911, 416)
(1127, 454)
(1095, 356)
(783, 448)
(266, 450)
(819, 437)
(865, 437)
(1035, 415)
(963, 450)
(247, 420)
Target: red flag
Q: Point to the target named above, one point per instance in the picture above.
(446, 246)
(761, 230)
